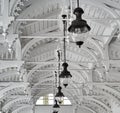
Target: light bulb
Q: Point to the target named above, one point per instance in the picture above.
(59, 99)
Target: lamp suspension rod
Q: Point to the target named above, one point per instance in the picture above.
(77, 3)
(58, 67)
(54, 88)
(64, 40)
(64, 51)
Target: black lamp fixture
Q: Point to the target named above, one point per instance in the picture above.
(59, 95)
(79, 25)
(56, 107)
(65, 74)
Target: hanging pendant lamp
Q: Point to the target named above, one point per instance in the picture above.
(65, 74)
(79, 25)
(59, 95)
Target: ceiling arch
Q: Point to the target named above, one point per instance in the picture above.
(108, 92)
(102, 104)
(89, 109)
(21, 100)
(13, 89)
(39, 54)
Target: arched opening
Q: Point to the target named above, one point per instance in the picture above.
(49, 100)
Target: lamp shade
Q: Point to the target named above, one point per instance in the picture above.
(59, 96)
(65, 73)
(65, 82)
(79, 25)
(59, 93)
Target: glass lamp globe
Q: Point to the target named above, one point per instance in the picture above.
(65, 82)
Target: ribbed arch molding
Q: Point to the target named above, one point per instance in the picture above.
(13, 89)
(21, 100)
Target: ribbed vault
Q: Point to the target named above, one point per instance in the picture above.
(28, 71)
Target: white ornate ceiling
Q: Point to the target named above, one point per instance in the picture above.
(29, 40)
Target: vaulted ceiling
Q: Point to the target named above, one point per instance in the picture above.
(31, 32)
